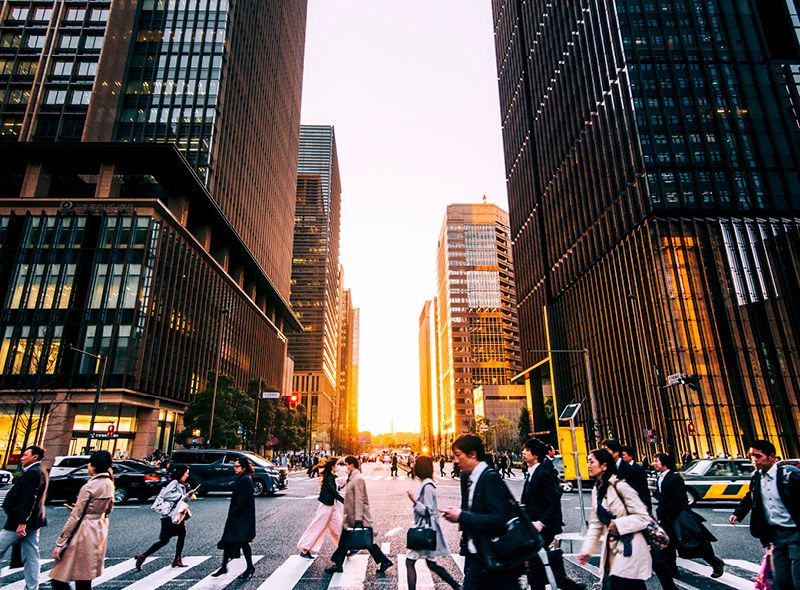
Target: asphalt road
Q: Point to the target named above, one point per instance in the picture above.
(282, 519)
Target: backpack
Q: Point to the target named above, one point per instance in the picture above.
(161, 505)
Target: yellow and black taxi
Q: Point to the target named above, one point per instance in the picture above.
(718, 480)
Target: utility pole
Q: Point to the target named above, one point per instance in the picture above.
(223, 312)
(102, 359)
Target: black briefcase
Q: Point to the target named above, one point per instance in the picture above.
(519, 543)
(422, 538)
(355, 539)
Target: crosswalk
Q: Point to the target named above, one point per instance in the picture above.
(121, 574)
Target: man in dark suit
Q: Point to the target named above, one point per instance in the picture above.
(24, 508)
(484, 512)
(541, 497)
(774, 499)
(672, 501)
(634, 475)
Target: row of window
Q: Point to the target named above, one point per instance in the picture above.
(67, 40)
(73, 15)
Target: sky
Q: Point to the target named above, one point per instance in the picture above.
(411, 90)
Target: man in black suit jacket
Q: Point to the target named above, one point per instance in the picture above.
(634, 475)
(24, 508)
(484, 512)
(541, 496)
(672, 501)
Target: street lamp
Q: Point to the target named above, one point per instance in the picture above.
(223, 312)
(590, 381)
(102, 360)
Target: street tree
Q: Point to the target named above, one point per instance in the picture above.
(524, 425)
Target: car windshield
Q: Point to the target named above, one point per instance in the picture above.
(698, 467)
(259, 460)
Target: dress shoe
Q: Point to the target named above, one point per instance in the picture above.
(221, 571)
(139, 562)
(306, 555)
(385, 566)
(334, 569)
(248, 573)
(719, 569)
(178, 562)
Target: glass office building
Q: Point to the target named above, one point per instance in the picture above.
(652, 165)
(220, 80)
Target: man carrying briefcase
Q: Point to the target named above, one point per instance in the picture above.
(356, 517)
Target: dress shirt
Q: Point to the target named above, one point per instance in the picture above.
(531, 469)
(31, 465)
(774, 508)
(661, 477)
(473, 480)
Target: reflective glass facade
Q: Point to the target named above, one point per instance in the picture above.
(652, 165)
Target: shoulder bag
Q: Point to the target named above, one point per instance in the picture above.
(356, 538)
(422, 538)
(160, 504)
(519, 543)
(653, 533)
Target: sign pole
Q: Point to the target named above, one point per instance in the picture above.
(578, 476)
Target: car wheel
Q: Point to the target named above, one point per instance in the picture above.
(691, 496)
(258, 487)
(120, 495)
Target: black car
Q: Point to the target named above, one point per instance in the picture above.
(212, 470)
(132, 479)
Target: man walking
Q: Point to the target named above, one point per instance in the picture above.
(393, 470)
(774, 499)
(484, 512)
(356, 514)
(541, 496)
(634, 475)
(672, 503)
(24, 508)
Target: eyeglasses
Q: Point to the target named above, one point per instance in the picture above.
(237, 466)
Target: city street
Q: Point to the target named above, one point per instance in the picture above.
(282, 518)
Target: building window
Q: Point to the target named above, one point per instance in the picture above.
(87, 68)
(75, 14)
(34, 41)
(42, 14)
(80, 96)
(62, 69)
(69, 41)
(55, 96)
(93, 42)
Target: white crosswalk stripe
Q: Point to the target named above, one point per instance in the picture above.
(7, 571)
(355, 570)
(235, 567)
(726, 578)
(288, 574)
(165, 574)
(424, 578)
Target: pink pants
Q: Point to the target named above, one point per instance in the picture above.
(327, 518)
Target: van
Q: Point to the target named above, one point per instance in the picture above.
(212, 470)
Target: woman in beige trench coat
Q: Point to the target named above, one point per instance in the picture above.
(81, 548)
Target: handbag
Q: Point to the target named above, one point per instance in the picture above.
(422, 538)
(653, 533)
(519, 543)
(765, 578)
(161, 506)
(356, 538)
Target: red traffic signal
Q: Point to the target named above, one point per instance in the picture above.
(692, 429)
(293, 400)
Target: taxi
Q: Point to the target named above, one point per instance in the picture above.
(710, 480)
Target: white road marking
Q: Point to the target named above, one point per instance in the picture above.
(596, 572)
(724, 525)
(355, 570)
(424, 578)
(288, 574)
(745, 565)
(108, 574)
(459, 559)
(235, 567)
(727, 579)
(7, 571)
(390, 477)
(165, 574)
(386, 547)
(393, 532)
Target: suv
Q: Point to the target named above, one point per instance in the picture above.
(212, 470)
(717, 479)
(64, 464)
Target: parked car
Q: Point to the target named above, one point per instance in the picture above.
(715, 480)
(139, 481)
(791, 462)
(64, 464)
(6, 477)
(212, 470)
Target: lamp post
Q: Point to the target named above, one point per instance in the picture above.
(223, 312)
(87, 449)
(590, 381)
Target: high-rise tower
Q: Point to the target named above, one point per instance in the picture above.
(315, 280)
(476, 319)
(652, 156)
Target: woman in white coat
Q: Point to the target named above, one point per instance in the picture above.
(426, 513)
(618, 518)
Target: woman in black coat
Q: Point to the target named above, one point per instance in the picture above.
(240, 526)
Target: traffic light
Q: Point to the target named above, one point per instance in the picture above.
(692, 430)
(293, 400)
(693, 381)
(650, 435)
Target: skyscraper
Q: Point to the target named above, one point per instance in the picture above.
(347, 414)
(476, 321)
(428, 378)
(315, 280)
(160, 273)
(652, 166)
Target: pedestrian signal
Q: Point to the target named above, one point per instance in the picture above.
(692, 429)
(293, 400)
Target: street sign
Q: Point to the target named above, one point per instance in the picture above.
(270, 395)
(111, 430)
(675, 379)
(273, 441)
(194, 440)
(103, 435)
(483, 427)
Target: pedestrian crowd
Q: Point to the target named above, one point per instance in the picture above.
(504, 540)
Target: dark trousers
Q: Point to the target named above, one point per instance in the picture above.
(665, 563)
(786, 559)
(617, 583)
(79, 585)
(477, 578)
(341, 552)
(393, 470)
(537, 576)
(169, 530)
